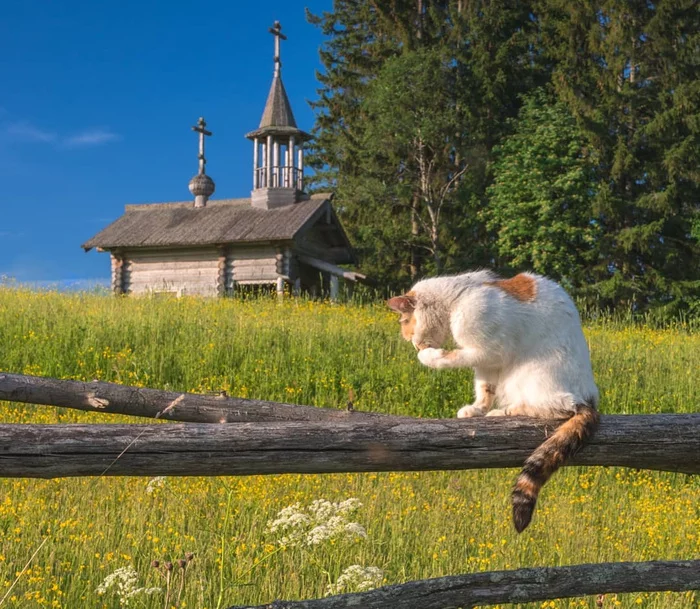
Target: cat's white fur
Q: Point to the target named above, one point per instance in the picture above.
(529, 354)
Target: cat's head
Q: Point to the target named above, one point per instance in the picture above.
(422, 322)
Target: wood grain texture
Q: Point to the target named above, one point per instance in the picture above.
(112, 398)
(660, 442)
(179, 271)
(117, 274)
(519, 586)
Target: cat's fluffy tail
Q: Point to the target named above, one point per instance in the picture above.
(547, 458)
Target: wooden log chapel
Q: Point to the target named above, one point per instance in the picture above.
(279, 236)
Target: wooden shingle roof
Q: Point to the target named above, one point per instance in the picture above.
(220, 222)
(278, 118)
(278, 111)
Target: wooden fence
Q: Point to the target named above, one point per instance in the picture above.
(257, 437)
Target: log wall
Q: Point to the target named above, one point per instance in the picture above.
(117, 260)
(251, 265)
(173, 271)
(207, 271)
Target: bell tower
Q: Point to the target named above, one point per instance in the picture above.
(278, 145)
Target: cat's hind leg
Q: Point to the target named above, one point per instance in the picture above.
(485, 390)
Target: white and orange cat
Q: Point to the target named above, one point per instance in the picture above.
(523, 338)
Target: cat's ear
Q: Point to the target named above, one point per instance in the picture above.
(402, 304)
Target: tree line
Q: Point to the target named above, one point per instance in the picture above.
(548, 135)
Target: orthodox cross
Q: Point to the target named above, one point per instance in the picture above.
(200, 128)
(276, 31)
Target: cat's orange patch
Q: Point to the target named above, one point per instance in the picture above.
(405, 305)
(402, 304)
(521, 287)
(528, 486)
(408, 325)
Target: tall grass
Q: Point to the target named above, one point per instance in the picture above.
(418, 524)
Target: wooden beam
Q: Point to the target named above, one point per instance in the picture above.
(96, 396)
(322, 265)
(256, 150)
(518, 586)
(118, 262)
(659, 442)
(268, 163)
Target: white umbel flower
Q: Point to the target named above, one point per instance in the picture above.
(124, 581)
(320, 521)
(155, 483)
(356, 578)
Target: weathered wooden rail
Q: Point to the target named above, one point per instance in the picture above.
(518, 586)
(268, 437)
(111, 398)
(663, 442)
(233, 436)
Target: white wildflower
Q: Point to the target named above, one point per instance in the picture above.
(154, 483)
(356, 579)
(124, 582)
(290, 524)
(355, 529)
(320, 521)
(323, 509)
(317, 535)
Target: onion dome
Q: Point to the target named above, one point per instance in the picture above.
(202, 185)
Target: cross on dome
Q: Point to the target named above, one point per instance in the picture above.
(201, 185)
(200, 128)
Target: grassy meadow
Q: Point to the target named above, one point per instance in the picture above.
(408, 525)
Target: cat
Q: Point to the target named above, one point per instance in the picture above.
(523, 338)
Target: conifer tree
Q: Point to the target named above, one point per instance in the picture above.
(627, 103)
(629, 72)
(540, 201)
(392, 222)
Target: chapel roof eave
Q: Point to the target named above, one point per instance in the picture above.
(279, 130)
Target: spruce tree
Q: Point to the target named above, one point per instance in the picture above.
(629, 73)
(488, 51)
(626, 100)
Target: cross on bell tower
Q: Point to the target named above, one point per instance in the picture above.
(276, 31)
(201, 185)
(278, 144)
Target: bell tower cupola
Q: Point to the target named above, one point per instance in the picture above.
(278, 145)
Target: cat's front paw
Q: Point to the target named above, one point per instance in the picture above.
(496, 412)
(470, 410)
(430, 357)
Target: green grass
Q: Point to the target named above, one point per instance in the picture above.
(418, 524)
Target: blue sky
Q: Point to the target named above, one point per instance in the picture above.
(97, 103)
